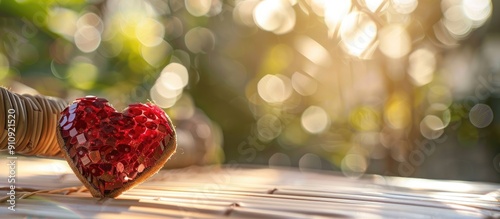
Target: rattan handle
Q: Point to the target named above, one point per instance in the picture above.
(28, 123)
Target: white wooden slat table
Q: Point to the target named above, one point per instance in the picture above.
(245, 192)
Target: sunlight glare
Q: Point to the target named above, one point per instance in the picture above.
(404, 6)
(478, 11)
(456, 22)
(318, 7)
(335, 11)
(427, 184)
(275, 16)
(395, 42)
(313, 51)
(358, 33)
(374, 5)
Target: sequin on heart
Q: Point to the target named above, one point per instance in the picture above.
(108, 148)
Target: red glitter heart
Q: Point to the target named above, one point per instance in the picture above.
(111, 152)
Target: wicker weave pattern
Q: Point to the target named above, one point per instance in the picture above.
(36, 120)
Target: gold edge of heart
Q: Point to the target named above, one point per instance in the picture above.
(31, 138)
(92, 190)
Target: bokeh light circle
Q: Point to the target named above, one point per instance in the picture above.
(279, 160)
(309, 161)
(268, 127)
(354, 165)
(481, 115)
(432, 127)
(274, 88)
(315, 120)
(275, 16)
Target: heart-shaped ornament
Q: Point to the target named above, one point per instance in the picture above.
(111, 152)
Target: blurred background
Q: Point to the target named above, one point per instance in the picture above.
(392, 87)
